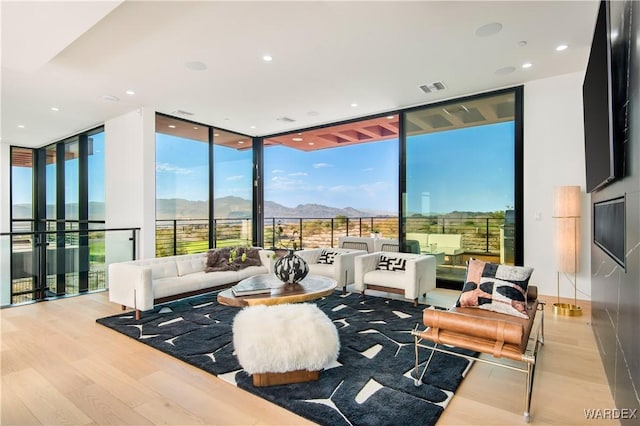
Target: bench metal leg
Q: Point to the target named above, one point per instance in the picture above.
(417, 381)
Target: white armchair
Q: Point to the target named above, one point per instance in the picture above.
(408, 274)
(338, 263)
(386, 244)
(357, 243)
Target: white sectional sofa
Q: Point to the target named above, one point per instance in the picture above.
(140, 284)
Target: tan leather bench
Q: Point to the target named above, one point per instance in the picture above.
(499, 335)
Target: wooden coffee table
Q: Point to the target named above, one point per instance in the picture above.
(310, 288)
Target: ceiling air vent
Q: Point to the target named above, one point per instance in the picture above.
(433, 87)
(286, 119)
(182, 112)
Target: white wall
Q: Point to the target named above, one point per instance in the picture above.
(130, 192)
(554, 156)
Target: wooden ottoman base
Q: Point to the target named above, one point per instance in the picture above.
(297, 376)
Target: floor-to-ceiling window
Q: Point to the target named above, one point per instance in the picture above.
(24, 269)
(50, 191)
(232, 189)
(324, 183)
(203, 187)
(460, 172)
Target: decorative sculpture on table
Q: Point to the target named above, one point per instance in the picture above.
(291, 268)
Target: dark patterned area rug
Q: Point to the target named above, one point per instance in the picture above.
(371, 383)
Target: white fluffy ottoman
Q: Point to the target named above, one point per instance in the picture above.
(283, 344)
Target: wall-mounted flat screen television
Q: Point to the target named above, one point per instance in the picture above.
(605, 95)
(609, 228)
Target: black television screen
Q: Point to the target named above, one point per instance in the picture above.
(609, 228)
(605, 95)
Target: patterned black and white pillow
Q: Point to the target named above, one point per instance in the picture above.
(327, 257)
(387, 263)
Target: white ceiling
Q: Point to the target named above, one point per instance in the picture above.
(326, 56)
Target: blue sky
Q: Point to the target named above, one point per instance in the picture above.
(467, 169)
(361, 176)
(22, 181)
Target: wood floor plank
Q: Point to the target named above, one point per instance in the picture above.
(113, 380)
(205, 405)
(13, 411)
(43, 400)
(167, 413)
(105, 409)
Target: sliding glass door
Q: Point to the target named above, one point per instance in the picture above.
(460, 174)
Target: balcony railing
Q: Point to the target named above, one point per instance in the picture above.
(481, 234)
(60, 262)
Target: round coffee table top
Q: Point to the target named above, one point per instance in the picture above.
(310, 288)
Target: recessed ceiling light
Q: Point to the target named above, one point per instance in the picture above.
(253, 127)
(354, 104)
(489, 29)
(297, 139)
(267, 58)
(110, 98)
(20, 126)
(196, 65)
(391, 117)
(240, 142)
(55, 109)
(195, 127)
(299, 134)
(522, 43)
(172, 126)
(130, 92)
(561, 47)
(311, 143)
(526, 65)
(215, 135)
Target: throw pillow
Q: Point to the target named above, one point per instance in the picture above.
(327, 257)
(218, 260)
(496, 287)
(251, 258)
(387, 263)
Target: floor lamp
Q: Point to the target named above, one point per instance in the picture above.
(567, 218)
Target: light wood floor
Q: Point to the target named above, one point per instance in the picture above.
(60, 367)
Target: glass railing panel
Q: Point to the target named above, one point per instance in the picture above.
(48, 264)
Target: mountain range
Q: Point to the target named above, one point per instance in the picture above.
(225, 207)
(236, 207)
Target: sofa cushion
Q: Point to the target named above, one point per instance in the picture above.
(323, 269)
(163, 269)
(496, 287)
(190, 265)
(250, 271)
(327, 257)
(394, 279)
(165, 287)
(390, 263)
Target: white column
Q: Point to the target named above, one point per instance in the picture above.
(130, 182)
(5, 225)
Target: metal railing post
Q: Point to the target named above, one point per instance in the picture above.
(175, 237)
(486, 236)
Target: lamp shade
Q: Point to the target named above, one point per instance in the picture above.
(567, 201)
(567, 246)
